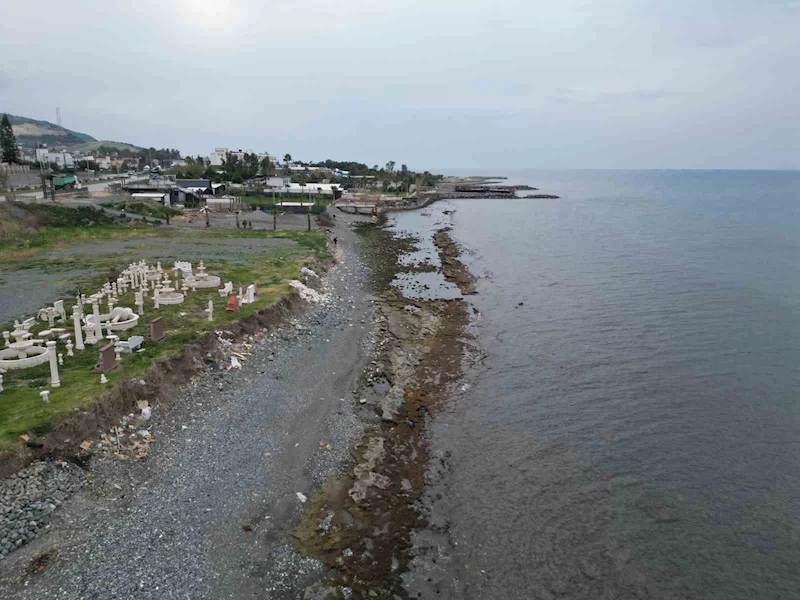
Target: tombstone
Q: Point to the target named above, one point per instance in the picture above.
(108, 358)
(156, 330)
(98, 330)
(60, 359)
(1, 382)
(139, 303)
(69, 348)
(251, 294)
(111, 302)
(118, 351)
(59, 306)
(7, 335)
(210, 310)
(132, 344)
(155, 297)
(233, 304)
(51, 317)
(114, 290)
(45, 396)
(51, 353)
(103, 378)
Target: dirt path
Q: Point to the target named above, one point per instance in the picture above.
(210, 513)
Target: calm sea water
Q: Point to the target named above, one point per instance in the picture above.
(634, 428)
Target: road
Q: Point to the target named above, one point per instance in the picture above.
(93, 187)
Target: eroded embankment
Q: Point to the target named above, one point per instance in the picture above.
(359, 524)
(155, 385)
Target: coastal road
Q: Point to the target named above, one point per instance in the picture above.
(209, 513)
(93, 187)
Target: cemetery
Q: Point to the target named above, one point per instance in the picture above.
(58, 358)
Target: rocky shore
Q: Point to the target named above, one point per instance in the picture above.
(359, 524)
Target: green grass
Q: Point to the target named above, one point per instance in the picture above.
(21, 408)
(148, 209)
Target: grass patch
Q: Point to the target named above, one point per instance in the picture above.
(146, 208)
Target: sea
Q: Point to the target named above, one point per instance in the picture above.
(629, 423)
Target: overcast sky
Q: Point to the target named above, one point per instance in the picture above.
(430, 83)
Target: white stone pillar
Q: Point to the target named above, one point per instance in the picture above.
(1, 382)
(155, 297)
(51, 354)
(98, 331)
(210, 310)
(76, 320)
(139, 303)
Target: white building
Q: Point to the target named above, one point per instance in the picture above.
(45, 156)
(219, 154)
(215, 158)
(312, 189)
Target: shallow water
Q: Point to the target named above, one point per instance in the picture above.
(635, 427)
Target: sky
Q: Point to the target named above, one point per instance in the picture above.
(433, 84)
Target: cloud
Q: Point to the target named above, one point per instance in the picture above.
(428, 82)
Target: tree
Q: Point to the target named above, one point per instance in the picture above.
(287, 158)
(267, 168)
(390, 166)
(9, 152)
(404, 170)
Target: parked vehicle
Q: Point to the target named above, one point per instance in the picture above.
(68, 181)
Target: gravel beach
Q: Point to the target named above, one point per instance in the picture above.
(211, 511)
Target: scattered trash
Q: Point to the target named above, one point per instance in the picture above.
(24, 437)
(86, 445)
(147, 411)
(184, 427)
(212, 364)
(34, 444)
(235, 364)
(301, 497)
(247, 528)
(363, 401)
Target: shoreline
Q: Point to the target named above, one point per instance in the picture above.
(360, 523)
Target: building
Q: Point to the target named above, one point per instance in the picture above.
(276, 182)
(104, 162)
(312, 189)
(215, 158)
(46, 157)
(195, 186)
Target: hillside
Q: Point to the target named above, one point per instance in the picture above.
(31, 132)
(92, 146)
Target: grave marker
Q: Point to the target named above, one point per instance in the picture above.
(108, 358)
(156, 330)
